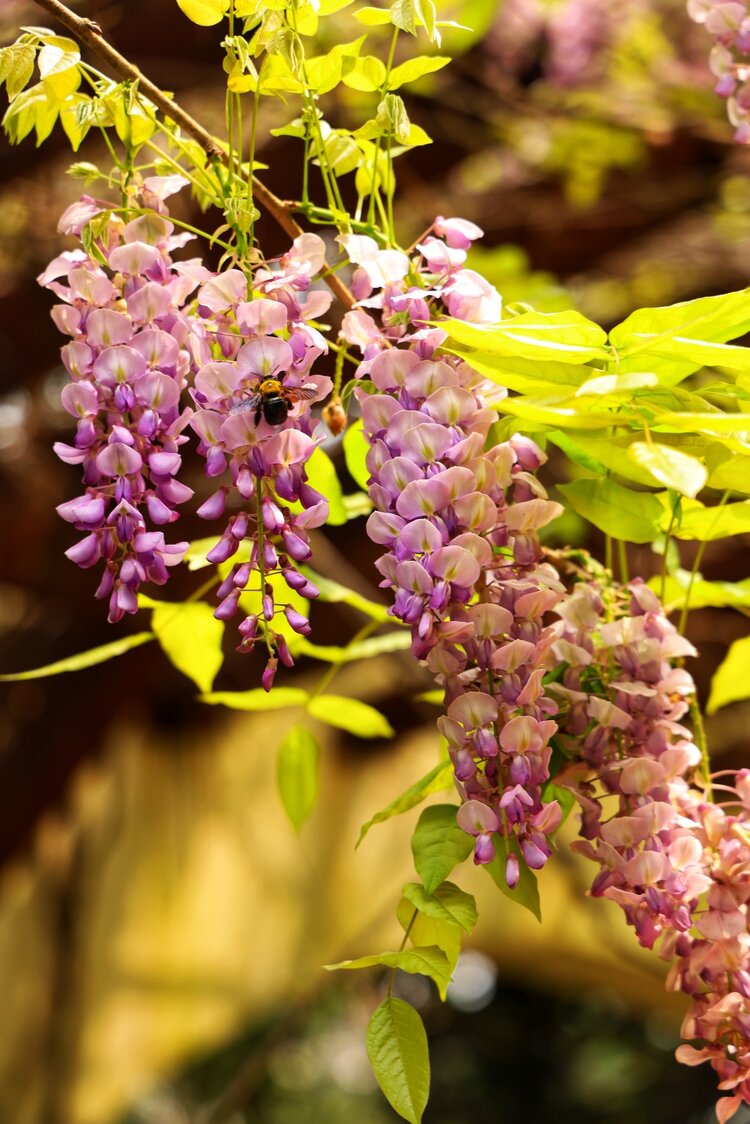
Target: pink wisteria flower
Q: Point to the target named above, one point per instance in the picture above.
(677, 864)
(248, 346)
(728, 22)
(459, 523)
(123, 307)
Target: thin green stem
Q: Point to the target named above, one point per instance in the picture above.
(327, 678)
(401, 948)
(665, 556)
(699, 734)
(695, 570)
(622, 555)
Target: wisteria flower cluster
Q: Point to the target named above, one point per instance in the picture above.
(459, 523)
(728, 21)
(677, 863)
(123, 306)
(142, 334)
(267, 348)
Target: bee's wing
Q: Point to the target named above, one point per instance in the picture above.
(303, 392)
(243, 404)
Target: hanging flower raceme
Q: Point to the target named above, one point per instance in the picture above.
(253, 420)
(728, 22)
(123, 304)
(677, 864)
(459, 523)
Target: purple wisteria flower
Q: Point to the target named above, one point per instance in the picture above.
(459, 524)
(123, 306)
(253, 349)
(677, 864)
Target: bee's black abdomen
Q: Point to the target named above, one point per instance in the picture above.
(275, 410)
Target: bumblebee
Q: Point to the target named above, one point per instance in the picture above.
(272, 401)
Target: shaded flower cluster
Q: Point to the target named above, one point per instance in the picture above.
(265, 347)
(677, 864)
(123, 305)
(728, 22)
(459, 522)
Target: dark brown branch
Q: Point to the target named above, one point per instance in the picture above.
(90, 35)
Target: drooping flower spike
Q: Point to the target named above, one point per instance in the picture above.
(124, 312)
(459, 524)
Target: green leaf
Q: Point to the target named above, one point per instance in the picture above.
(205, 12)
(334, 592)
(732, 474)
(280, 698)
(437, 780)
(373, 17)
(430, 961)
(708, 523)
(355, 717)
(190, 637)
(297, 774)
(438, 844)
(415, 68)
(366, 74)
(83, 659)
(356, 650)
(566, 337)
(597, 453)
(32, 109)
(732, 679)
(616, 386)
(58, 66)
(355, 446)
(399, 1056)
(424, 931)
(16, 67)
(703, 594)
(446, 903)
(673, 337)
(614, 509)
(526, 892)
(669, 466)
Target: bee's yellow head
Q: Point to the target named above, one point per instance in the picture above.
(269, 385)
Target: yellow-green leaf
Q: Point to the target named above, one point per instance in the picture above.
(732, 679)
(669, 466)
(708, 523)
(614, 509)
(280, 698)
(352, 715)
(447, 903)
(205, 12)
(191, 637)
(297, 769)
(438, 844)
(82, 660)
(399, 1056)
(415, 68)
(438, 779)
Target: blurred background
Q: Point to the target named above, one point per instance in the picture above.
(162, 929)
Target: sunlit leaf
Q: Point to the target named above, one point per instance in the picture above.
(297, 769)
(415, 68)
(321, 475)
(355, 450)
(732, 679)
(205, 12)
(358, 650)
(335, 592)
(352, 715)
(424, 931)
(190, 637)
(614, 509)
(399, 1056)
(446, 903)
(669, 466)
(708, 523)
(430, 961)
(438, 779)
(280, 698)
(83, 659)
(438, 844)
(566, 337)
